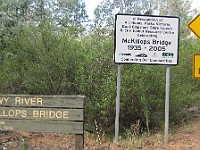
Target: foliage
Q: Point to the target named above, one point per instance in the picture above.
(70, 14)
(181, 9)
(184, 88)
(104, 13)
(42, 53)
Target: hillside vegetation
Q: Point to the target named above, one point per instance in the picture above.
(40, 55)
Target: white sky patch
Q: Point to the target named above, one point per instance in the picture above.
(196, 4)
(90, 6)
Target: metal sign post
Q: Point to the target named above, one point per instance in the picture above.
(167, 104)
(118, 94)
(167, 95)
(149, 40)
(118, 104)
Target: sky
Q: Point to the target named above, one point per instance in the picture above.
(91, 4)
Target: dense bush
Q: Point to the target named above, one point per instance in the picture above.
(41, 60)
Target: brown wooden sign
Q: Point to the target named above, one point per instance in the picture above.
(44, 113)
(42, 101)
(41, 113)
(38, 126)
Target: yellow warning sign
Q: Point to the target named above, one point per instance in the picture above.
(194, 25)
(196, 66)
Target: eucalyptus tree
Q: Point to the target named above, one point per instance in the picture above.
(104, 14)
(180, 8)
(70, 14)
(42, 10)
(8, 21)
(134, 6)
(105, 11)
(23, 10)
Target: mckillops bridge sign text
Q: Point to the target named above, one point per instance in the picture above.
(44, 113)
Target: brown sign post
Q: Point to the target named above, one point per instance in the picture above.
(55, 113)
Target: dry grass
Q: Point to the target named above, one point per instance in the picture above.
(186, 137)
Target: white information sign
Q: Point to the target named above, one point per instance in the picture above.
(146, 39)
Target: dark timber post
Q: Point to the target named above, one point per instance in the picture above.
(79, 141)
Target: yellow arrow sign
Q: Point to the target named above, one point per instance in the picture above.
(194, 25)
(196, 66)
